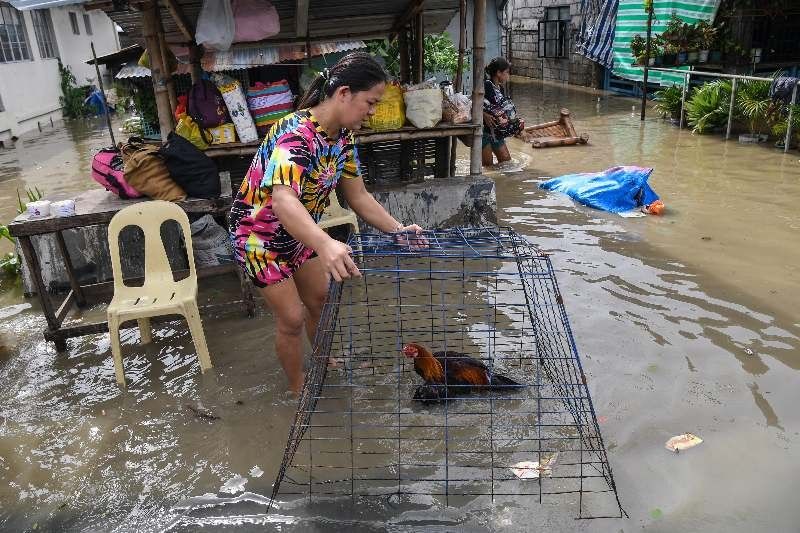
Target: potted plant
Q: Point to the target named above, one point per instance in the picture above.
(692, 43)
(670, 55)
(707, 36)
(668, 103)
(638, 48)
(754, 105)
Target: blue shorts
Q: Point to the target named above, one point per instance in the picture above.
(491, 140)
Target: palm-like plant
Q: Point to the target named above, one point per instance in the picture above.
(668, 101)
(707, 107)
(754, 104)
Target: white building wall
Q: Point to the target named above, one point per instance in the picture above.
(30, 90)
(493, 36)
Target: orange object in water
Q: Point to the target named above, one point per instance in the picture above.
(655, 208)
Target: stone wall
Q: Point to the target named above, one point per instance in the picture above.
(574, 69)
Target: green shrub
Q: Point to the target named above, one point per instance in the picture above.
(753, 104)
(707, 106)
(668, 101)
(72, 97)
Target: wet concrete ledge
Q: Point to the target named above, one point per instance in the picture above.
(440, 203)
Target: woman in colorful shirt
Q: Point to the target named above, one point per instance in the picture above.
(274, 216)
(499, 113)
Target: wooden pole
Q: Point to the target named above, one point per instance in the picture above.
(458, 83)
(647, 56)
(195, 55)
(150, 31)
(162, 42)
(103, 92)
(478, 60)
(419, 48)
(405, 62)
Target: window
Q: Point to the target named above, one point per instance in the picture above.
(87, 22)
(553, 32)
(13, 39)
(73, 21)
(45, 36)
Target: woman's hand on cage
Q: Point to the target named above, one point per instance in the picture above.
(411, 236)
(337, 260)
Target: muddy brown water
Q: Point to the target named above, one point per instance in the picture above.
(685, 322)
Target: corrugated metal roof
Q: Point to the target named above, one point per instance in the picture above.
(328, 19)
(242, 56)
(24, 5)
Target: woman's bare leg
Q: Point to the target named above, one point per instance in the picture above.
(502, 153)
(312, 284)
(287, 309)
(486, 156)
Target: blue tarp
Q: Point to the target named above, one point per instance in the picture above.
(617, 189)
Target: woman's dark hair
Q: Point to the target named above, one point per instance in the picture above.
(358, 70)
(498, 64)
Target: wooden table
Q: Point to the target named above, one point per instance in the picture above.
(97, 207)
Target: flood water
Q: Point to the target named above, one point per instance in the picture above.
(686, 322)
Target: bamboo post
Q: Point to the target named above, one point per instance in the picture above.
(150, 31)
(162, 42)
(649, 4)
(195, 54)
(105, 103)
(789, 124)
(478, 60)
(730, 108)
(458, 83)
(419, 48)
(405, 62)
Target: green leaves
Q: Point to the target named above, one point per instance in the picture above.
(707, 107)
(440, 55)
(668, 101)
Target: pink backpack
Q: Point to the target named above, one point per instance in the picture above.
(107, 170)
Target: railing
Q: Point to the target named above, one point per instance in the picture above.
(735, 77)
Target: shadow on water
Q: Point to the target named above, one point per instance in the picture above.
(686, 322)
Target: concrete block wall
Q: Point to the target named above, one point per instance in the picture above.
(574, 69)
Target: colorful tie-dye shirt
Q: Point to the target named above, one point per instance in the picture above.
(298, 153)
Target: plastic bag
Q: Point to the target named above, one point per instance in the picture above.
(254, 20)
(191, 131)
(390, 112)
(457, 108)
(234, 98)
(617, 189)
(223, 134)
(215, 25)
(211, 244)
(423, 107)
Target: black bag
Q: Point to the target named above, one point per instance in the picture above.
(193, 170)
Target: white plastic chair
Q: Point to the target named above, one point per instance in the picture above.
(160, 294)
(336, 215)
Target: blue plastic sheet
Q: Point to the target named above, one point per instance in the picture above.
(96, 103)
(617, 189)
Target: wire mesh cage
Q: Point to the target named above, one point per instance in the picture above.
(505, 412)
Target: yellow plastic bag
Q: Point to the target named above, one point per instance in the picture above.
(190, 130)
(226, 133)
(390, 112)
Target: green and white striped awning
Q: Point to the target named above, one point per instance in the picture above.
(632, 19)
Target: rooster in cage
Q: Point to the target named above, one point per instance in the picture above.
(449, 373)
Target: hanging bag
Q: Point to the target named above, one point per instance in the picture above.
(147, 173)
(206, 105)
(254, 20)
(190, 168)
(108, 170)
(215, 25)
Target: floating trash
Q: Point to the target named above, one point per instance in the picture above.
(234, 485)
(532, 469)
(682, 442)
(256, 472)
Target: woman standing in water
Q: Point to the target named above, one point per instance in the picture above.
(274, 216)
(499, 113)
